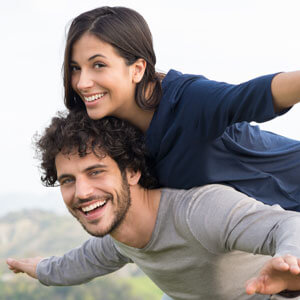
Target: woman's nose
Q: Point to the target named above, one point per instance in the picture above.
(85, 81)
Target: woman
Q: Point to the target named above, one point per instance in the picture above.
(196, 129)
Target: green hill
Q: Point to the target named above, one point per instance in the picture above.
(36, 232)
(30, 233)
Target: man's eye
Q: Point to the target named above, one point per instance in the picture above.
(66, 181)
(94, 173)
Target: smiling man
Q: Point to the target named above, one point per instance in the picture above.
(193, 244)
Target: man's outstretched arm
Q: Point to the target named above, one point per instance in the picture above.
(96, 257)
(27, 265)
(278, 274)
(241, 223)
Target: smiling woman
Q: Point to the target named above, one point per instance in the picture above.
(102, 79)
(197, 130)
(124, 64)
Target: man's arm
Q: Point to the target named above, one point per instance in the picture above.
(285, 89)
(223, 220)
(96, 257)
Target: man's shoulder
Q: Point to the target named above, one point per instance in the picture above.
(200, 191)
(180, 202)
(212, 198)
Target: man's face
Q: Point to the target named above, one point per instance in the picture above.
(94, 191)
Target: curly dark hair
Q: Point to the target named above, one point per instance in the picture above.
(74, 132)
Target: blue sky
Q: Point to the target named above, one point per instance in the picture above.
(229, 41)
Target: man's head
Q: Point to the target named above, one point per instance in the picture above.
(95, 162)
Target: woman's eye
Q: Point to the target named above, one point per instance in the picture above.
(74, 68)
(99, 65)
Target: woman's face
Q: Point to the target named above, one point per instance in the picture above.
(101, 78)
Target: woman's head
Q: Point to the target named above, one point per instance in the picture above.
(128, 34)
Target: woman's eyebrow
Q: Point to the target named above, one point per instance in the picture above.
(96, 55)
(89, 59)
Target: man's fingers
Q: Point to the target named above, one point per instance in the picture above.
(27, 265)
(14, 265)
(285, 263)
(250, 286)
(15, 270)
(253, 286)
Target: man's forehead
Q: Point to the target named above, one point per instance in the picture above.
(70, 160)
(75, 154)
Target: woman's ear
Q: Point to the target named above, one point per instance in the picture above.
(133, 177)
(139, 67)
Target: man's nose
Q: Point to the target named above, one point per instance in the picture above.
(84, 189)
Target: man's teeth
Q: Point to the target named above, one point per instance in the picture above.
(94, 97)
(93, 206)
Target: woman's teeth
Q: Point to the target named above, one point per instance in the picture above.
(94, 97)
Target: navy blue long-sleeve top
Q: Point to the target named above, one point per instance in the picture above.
(200, 134)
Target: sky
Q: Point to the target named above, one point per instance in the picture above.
(230, 41)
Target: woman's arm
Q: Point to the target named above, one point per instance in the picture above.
(285, 89)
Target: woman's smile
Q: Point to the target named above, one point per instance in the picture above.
(102, 78)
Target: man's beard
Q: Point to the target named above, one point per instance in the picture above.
(123, 203)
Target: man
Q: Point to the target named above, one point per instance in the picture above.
(192, 244)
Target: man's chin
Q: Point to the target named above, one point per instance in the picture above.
(94, 231)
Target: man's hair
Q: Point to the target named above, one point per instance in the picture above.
(76, 133)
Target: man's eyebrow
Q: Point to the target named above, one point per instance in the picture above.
(102, 166)
(64, 176)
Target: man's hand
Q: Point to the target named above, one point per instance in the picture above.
(26, 265)
(278, 274)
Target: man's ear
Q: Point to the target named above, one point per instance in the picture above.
(139, 67)
(133, 177)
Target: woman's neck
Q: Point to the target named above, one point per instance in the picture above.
(140, 118)
(137, 116)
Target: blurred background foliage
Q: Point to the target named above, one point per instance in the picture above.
(31, 233)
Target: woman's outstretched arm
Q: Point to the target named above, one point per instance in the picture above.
(285, 89)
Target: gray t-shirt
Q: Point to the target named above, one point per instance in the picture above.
(196, 248)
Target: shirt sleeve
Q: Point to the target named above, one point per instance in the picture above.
(223, 219)
(96, 257)
(207, 107)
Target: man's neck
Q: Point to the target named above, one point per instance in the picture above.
(138, 225)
